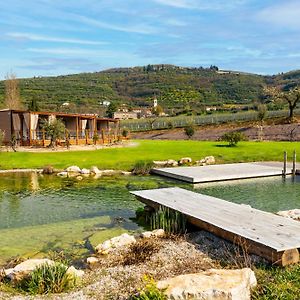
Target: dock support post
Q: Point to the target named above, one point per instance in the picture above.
(294, 163)
(284, 163)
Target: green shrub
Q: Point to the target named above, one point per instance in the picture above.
(189, 131)
(47, 279)
(125, 132)
(149, 292)
(233, 137)
(95, 138)
(142, 167)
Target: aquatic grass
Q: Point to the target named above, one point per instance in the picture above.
(47, 279)
(169, 220)
(142, 167)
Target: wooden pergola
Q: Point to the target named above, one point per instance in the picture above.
(26, 127)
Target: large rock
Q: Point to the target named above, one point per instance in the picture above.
(211, 284)
(73, 169)
(115, 242)
(292, 214)
(62, 174)
(185, 160)
(23, 269)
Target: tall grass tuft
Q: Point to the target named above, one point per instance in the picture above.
(142, 167)
(48, 278)
(168, 219)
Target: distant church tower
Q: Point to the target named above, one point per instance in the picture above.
(155, 102)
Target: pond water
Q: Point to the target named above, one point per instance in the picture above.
(39, 213)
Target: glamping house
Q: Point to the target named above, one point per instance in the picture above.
(26, 127)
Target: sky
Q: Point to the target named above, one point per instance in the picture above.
(55, 37)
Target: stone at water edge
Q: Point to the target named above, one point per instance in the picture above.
(92, 260)
(209, 160)
(115, 242)
(185, 160)
(292, 214)
(73, 169)
(85, 171)
(23, 269)
(62, 174)
(74, 272)
(95, 170)
(126, 173)
(154, 233)
(211, 284)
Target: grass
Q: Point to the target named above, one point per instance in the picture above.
(126, 158)
(47, 279)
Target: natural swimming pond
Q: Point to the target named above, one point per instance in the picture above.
(39, 214)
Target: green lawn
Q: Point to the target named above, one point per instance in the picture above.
(125, 158)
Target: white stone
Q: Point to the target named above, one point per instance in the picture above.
(211, 284)
(165, 163)
(74, 272)
(108, 172)
(95, 170)
(154, 233)
(185, 160)
(85, 171)
(73, 169)
(209, 160)
(26, 267)
(79, 178)
(125, 173)
(172, 163)
(292, 214)
(92, 260)
(116, 242)
(62, 174)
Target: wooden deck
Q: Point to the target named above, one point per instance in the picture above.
(223, 172)
(273, 237)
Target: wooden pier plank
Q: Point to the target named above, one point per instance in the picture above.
(270, 234)
(200, 174)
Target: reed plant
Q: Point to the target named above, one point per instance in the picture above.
(168, 219)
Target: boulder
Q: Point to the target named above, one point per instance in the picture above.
(154, 233)
(211, 284)
(74, 272)
(115, 242)
(92, 260)
(79, 178)
(85, 171)
(95, 170)
(73, 169)
(185, 160)
(292, 214)
(172, 163)
(62, 174)
(23, 269)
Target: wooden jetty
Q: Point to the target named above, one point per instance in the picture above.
(273, 237)
(223, 172)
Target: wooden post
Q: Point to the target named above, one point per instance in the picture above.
(77, 125)
(30, 136)
(294, 163)
(43, 137)
(284, 163)
(103, 137)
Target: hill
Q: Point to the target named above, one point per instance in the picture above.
(175, 87)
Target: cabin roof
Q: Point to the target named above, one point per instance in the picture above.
(61, 114)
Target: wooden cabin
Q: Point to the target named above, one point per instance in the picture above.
(26, 128)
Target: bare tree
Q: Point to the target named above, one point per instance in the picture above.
(291, 97)
(12, 93)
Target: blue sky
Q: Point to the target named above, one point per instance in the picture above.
(51, 37)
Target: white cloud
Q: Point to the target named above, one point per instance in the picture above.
(285, 14)
(137, 28)
(36, 37)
